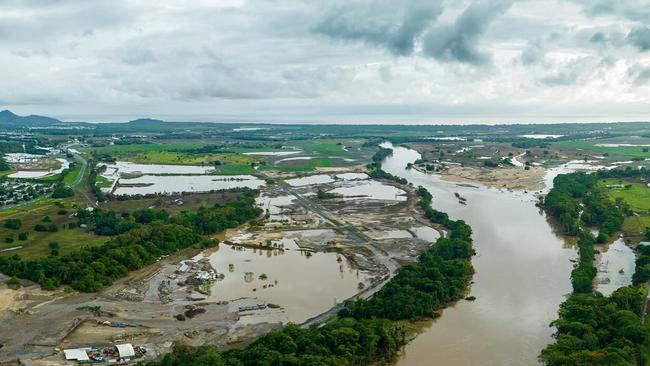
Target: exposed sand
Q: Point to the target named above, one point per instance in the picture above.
(510, 178)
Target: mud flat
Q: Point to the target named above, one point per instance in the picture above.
(509, 178)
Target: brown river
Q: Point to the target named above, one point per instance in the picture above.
(522, 275)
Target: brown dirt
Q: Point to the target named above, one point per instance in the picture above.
(510, 178)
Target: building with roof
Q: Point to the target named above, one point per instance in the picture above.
(126, 351)
(77, 354)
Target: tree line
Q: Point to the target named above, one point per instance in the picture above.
(364, 332)
(375, 170)
(138, 240)
(418, 290)
(593, 329)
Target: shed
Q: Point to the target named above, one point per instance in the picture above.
(77, 354)
(125, 350)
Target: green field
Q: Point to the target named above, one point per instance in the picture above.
(622, 151)
(72, 175)
(37, 242)
(636, 195)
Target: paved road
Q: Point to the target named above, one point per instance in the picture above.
(82, 171)
(359, 237)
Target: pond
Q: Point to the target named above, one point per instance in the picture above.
(304, 285)
(522, 275)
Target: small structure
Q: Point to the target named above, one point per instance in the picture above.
(77, 354)
(125, 351)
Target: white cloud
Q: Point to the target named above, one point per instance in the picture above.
(325, 60)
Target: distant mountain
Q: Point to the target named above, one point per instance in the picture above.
(145, 122)
(9, 118)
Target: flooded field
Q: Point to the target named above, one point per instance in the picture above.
(27, 165)
(128, 167)
(370, 190)
(309, 180)
(165, 184)
(271, 276)
(522, 275)
(615, 266)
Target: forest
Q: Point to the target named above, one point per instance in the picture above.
(137, 240)
(593, 329)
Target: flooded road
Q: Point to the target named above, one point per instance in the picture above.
(522, 275)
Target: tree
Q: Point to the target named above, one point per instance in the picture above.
(13, 224)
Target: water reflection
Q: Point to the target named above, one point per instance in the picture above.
(304, 284)
(522, 275)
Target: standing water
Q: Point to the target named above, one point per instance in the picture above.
(522, 275)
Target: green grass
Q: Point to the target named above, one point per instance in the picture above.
(637, 195)
(234, 169)
(137, 148)
(4, 173)
(590, 145)
(37, 243)
(103, 182)
(72, 175)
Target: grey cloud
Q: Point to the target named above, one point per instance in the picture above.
(639, 73)
(460, 41)
(640, 38)
(637, 10)
(390, 24)
(533, 53)
(598, 38)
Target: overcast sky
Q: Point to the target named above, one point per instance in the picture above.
(418, 61)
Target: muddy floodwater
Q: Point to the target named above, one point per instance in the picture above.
(615, 266)
(283, 277)
(522, 275)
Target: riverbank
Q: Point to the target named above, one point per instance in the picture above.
(516, 178)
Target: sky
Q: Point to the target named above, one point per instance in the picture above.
(363, 61)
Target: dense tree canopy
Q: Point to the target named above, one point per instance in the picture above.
(593, 329)
(140, 238)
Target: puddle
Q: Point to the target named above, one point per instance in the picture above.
(425, 233)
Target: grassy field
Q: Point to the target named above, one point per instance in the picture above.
(621, 151)
(637, 195)
(36, 244)
(72, 175)
(189, 202)
(102, 182)
(234, 169)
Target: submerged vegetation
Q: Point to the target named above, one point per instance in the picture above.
(593, 329)
(365, 331)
